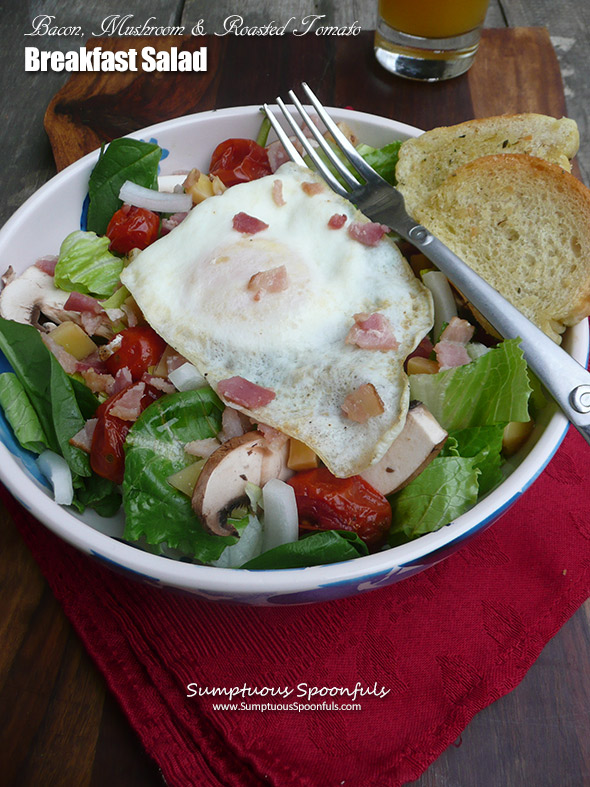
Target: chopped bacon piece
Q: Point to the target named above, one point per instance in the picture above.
(47, 264)
(233, 424)
(273, 437)
(277, 155)
(78, 302)
(128, 407)
(277, 193)
(337, 221)
(372, 332)
(123, 378)
(202, 448)
(248, 225)
(132, 312)
(243, 392)
(93, 317)
(174, 361)
(83, 438)
(451, 354)
(311, 188)
(157, 382)
(98, 383)
(92, 322)
(457, 331)
(369, 233)
(67, 362)
(450, 350)
(167, 225)
(273, 280)
(92, 361)
(362, 404)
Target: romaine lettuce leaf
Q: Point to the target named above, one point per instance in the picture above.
(154, 450)
(318, 549)
(383, 160)
(20, 414)
(484, 444)
(124, 159)
(445, 489)
(493, 389)
(86, 265)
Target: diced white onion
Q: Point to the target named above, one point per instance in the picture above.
(445, 307)
(164, 202)
(55, 469)
(475, 350)
(186, 378)
(281, 520)
(249, 546)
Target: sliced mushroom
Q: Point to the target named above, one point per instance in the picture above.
(221, 484)
(31, 294)
(416, 446)
(8, 276)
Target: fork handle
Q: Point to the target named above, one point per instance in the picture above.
(566, 380)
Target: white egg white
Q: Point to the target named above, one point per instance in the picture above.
(192, 286)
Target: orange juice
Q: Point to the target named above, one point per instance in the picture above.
(433, 18)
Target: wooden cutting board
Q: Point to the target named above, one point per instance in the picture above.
(516, 70)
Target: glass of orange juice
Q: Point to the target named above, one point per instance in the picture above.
(428, 40)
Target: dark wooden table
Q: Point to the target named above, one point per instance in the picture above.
(58, 723)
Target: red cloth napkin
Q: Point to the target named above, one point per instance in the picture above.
(443, 644)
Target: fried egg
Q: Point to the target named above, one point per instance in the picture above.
(275, 303)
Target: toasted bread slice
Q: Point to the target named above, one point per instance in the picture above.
(426, 161)
(524, 225)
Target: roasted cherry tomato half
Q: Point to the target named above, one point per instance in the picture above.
(238, 161)
(107, 457)
(140, 348)
(132, 228)
(329, 503)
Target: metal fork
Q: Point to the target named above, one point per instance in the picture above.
(566, 380)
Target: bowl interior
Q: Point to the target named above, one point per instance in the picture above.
(187, 142)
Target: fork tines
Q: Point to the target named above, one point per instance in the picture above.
(320, 163)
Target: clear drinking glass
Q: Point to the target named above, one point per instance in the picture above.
(428, 40)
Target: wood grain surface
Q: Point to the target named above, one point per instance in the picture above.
(93, 108)
(58, 723)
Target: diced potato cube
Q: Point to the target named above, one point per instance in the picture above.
(198, 185)
(418, 365)
(74, 340)
(301, 457)
(515, 435)
(186, 479)
(218, 185)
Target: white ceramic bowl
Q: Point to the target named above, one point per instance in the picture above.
(38, 228)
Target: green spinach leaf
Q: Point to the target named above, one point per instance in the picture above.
(124, 159)
(328, 546)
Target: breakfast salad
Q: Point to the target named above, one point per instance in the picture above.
(263, 378)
